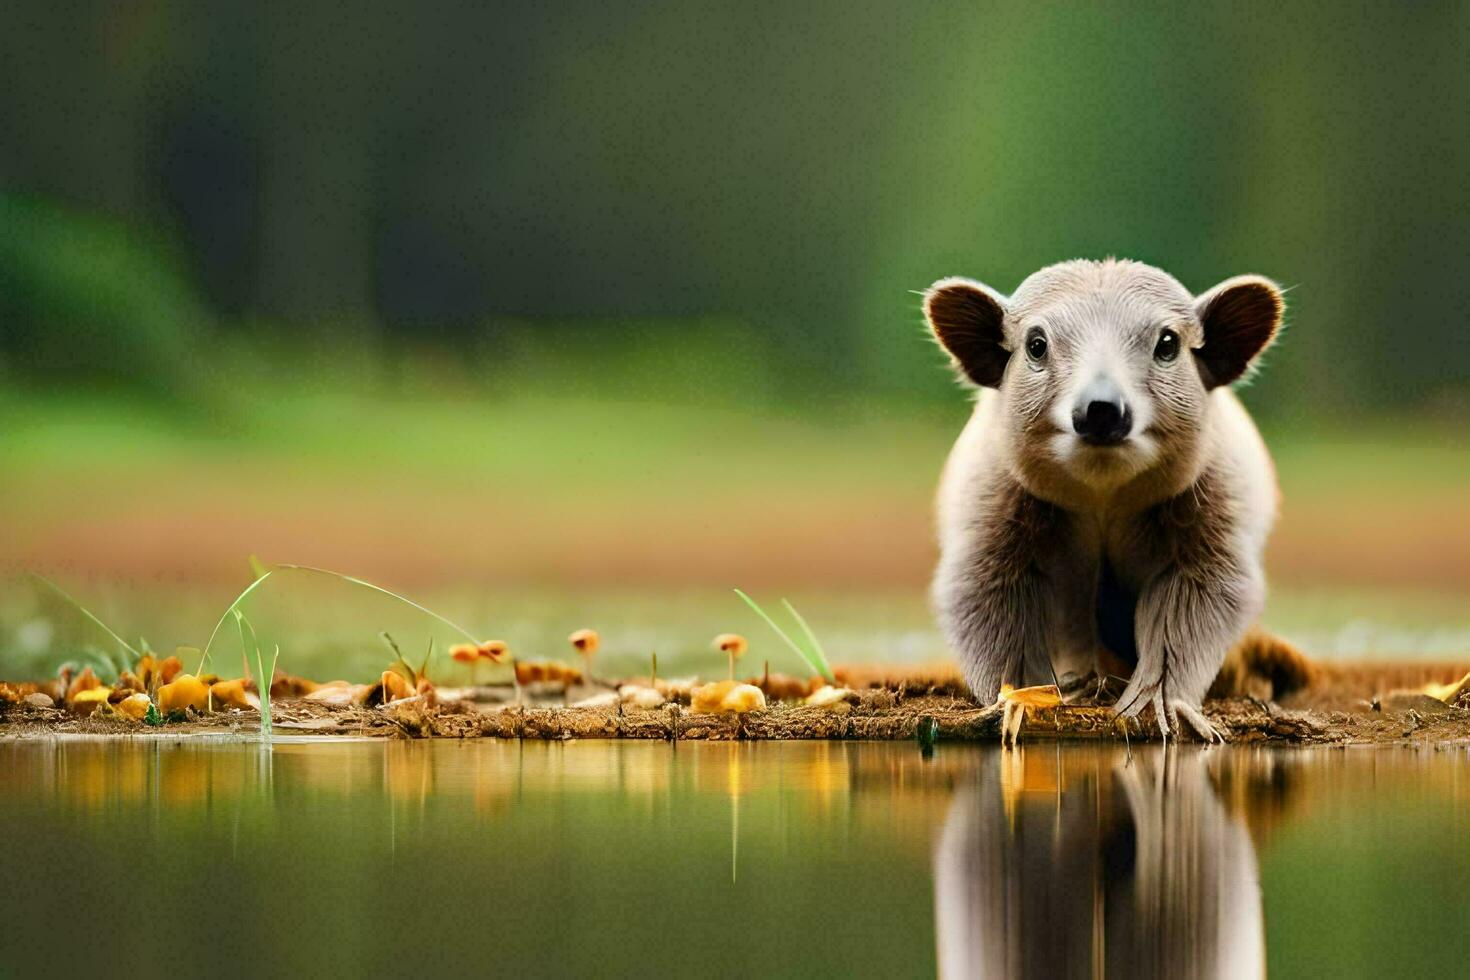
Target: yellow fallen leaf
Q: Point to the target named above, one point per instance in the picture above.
(230, 694)
(826, 697)
(169, 670)
(743, 698)
(706, 698)
(1016, 701)
(85, 681)
(395, 686)
(726, 697)
(338, 692)
(88, 701)
(184, 692)
(640, 696)
(134, 706)
(1448, 693)
(1040, 696)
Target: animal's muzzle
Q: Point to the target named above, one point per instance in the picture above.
(1102, 416)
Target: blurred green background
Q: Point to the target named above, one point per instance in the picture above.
(586, 309)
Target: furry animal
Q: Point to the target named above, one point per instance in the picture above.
(1107, 506)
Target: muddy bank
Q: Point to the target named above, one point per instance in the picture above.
(1346, 705)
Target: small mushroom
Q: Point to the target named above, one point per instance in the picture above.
(467, 653)
(497, 652)
(732, 645)
(585, 642)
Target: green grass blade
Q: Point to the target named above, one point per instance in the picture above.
(399, 660)
(819, 655)
(806, 656)
(204, 657)
(387, 592)
(88, 613)
(263, 690)
(245, 645)
(249, 643)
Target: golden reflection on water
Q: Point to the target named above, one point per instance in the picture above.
(1259, 787)
(1047, 861)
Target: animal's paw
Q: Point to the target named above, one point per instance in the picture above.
(1169, 710)
(1198, 721)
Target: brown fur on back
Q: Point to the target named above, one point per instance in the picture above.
(1265, 666)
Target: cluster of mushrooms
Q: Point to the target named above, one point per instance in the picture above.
(728, 696)
(158, 690)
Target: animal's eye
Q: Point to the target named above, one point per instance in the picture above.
(1036, 345)
(1167, 348)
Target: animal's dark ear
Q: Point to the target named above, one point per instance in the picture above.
(1240, 317)
(966, 319)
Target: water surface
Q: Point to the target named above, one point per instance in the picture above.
(149, 856)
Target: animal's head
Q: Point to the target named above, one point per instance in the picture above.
(1105, 368)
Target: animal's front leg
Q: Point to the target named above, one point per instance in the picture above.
(1187, 620)
(998, 627)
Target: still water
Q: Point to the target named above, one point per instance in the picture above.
(162, 856)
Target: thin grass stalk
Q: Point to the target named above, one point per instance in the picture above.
(388, 592)
(88, 613)
(204, 656)
(823, 666)
(813, 658)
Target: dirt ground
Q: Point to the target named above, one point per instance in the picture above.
(1345, 705)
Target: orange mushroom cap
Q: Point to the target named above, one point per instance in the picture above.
(465, 653)
(493, 650)
(585, 641)
(732, 643)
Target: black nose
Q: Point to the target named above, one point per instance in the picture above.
(1103, 421)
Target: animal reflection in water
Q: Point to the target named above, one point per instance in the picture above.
(1066, 865)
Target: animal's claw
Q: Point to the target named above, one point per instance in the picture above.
(1201, 723)
(1161, 713)
(1167, 711)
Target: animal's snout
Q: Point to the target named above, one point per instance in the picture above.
(1101, 416)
